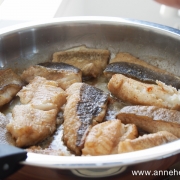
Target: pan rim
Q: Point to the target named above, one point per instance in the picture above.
(104, 161)
(91, 19)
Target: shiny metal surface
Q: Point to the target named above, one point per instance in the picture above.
(21, 46)
(154, 43)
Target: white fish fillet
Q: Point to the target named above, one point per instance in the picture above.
(35, 119)
(138, 93)
(30, 125)
(92, 62)
(43, 94)
(146, 141)
(103, 138)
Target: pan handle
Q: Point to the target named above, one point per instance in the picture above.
(10, 157)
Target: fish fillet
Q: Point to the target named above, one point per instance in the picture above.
(151, 118)
(103, 138)
(35, 119)
(92, 62)
(63, 74)
(85, 107)
(30, 126)
(126, 64)
(42, 94)
(146, 141)
(138, 93)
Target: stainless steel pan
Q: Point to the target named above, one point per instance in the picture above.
(32, 43)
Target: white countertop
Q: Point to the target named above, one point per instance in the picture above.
(19, 11)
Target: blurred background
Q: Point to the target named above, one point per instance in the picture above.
(19, 11)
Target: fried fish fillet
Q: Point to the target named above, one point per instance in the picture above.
(130, 66)
(130, 132)
(92, 62)
(62, 73)
(103, 138)
(126, 57)
(85, 107)
(30, 126)
(35, 120)
(151, 118)
(138, 93)
(10, 84)
(42, 94)
(146, 141)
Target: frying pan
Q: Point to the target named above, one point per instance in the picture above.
(32, 43)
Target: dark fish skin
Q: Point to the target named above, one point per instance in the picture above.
(62, 73)
(60, 66)
(141, 73)
(92, 101)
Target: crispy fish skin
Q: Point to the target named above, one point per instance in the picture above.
(141, 73)
(92, 62)
(10, 84)
(42, 94)
(139, 69)
(62, 73)
(85, 107)
(138, 93)
(30, 126)
(146, 141)
(126, 57)
(151, 118)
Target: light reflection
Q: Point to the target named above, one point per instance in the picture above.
(28, 39)
(1, 64)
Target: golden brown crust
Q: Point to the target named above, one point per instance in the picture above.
(71, 120)
(151, 118)
(103, 138)
(30, 126)
(35, 119)
(138, 93)
(130, 132)
(43, 94)
(91, 61)
(64, 78)
(146, 141)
